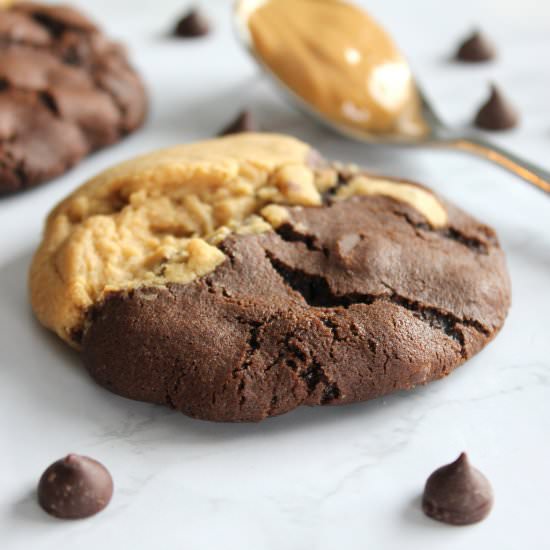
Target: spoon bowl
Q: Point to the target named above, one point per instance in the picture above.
(435, 133)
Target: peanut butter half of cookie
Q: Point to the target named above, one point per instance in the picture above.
(239, 278)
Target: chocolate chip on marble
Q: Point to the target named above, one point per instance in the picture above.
(245, 122)
(75, 487)
(457, 494)
(192, 25)
(476, 48)
(497, 113)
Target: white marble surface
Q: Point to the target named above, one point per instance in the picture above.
(314, 479)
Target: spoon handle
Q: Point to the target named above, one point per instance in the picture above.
(510, 161)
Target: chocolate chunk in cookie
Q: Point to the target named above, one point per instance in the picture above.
(243, 277)
(65, 91)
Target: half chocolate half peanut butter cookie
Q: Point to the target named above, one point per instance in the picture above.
(240, 278)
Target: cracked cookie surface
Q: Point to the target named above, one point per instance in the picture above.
(243, 277)
(65, 91)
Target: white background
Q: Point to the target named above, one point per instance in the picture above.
(327, 478)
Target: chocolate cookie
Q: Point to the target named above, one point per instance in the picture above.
(65, 91)
(240, 278)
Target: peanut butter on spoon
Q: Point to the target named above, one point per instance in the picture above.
(342, 69)
(335, 57)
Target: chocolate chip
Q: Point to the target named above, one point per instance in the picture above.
(457, 494)
(191, 25)
(75, 487)
(244, 122)
(497, 113)
(476, 48)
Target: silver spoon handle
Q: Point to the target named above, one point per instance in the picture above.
(510, 161)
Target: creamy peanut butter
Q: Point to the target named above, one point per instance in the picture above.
(339, 60)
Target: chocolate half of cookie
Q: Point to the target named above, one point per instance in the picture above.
(65, 91)
(243, 277)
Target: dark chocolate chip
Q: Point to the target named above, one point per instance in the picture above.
(244, 122)
(497, 113)
(75, 487)
(192, 25)
(476, 48)
(457, 494)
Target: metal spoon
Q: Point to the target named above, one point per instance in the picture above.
(437, 134)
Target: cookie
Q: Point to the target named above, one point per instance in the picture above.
(65, 91)
(239, 278)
